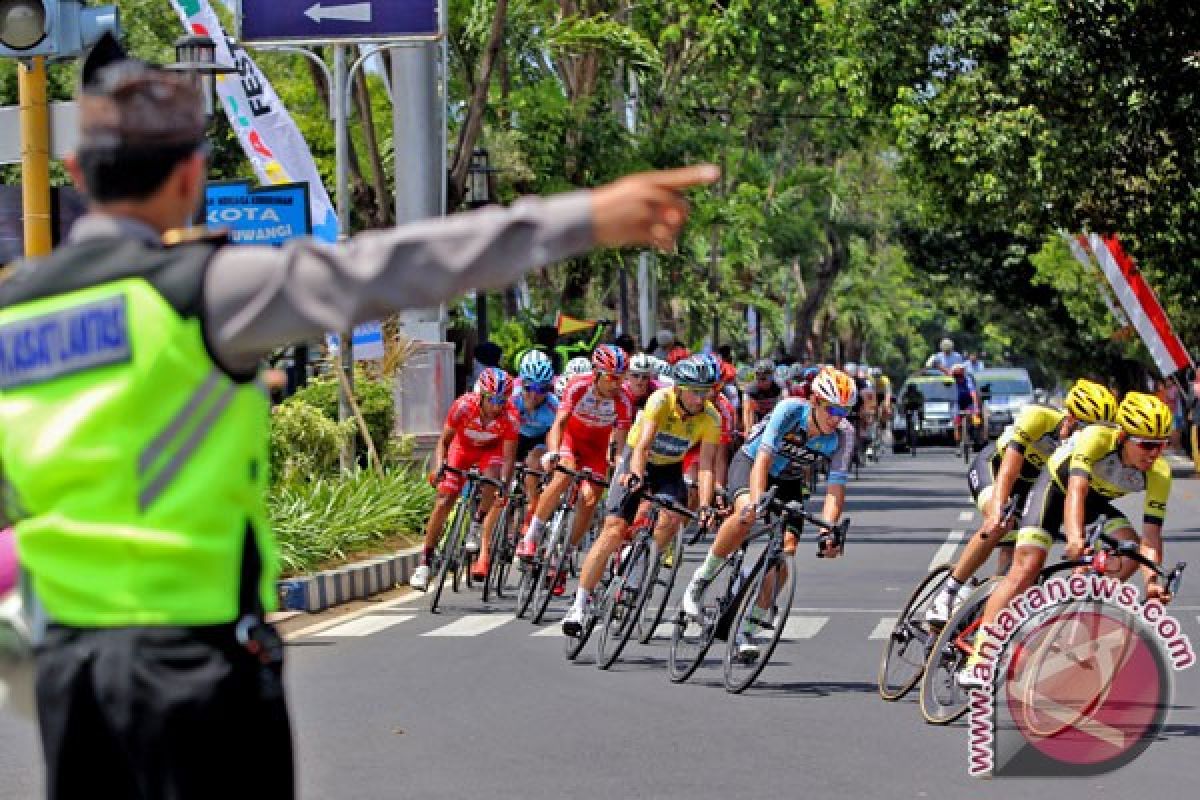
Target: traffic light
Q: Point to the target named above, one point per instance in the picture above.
(52, 28)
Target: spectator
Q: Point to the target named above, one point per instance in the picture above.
(944, 360)
(974, 363)
(662, 344)
(626, 343)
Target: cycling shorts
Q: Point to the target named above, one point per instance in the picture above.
(527, 444)
(1042, 519)
(486, 459)
(591, 453)
(981, 480)
(659, 479)
(738, 481)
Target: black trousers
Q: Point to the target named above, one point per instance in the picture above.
(161, 713)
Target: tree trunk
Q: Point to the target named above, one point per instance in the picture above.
(472, 126)
(383, 198)
(827, 271)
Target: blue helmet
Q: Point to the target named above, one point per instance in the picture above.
(535, 367)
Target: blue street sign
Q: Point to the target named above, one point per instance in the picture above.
(264, 21)
(367, 341)
(264, 215)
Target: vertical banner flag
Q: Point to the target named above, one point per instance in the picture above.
(1138, 300)
(266, 131)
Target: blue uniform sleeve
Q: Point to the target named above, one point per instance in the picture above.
(839, 463)
(789, 414)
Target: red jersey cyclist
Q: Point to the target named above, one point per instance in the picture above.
(595, 412)
(481, 431)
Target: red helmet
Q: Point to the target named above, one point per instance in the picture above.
(494, 381)
(611, 359)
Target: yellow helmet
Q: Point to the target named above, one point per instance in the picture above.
(1145, 415)
(1091, 402)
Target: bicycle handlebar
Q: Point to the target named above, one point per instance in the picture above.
(835, 533)
(583, 474)
(472, 474)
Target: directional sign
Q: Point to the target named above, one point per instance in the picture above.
(315, 21)
(267, 215)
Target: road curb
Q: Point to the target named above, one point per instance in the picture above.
(358, 581)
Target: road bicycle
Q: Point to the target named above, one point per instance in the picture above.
(942, 699)
(912, 636)
(451, 559)
(550, 564)
(769, 584)
(506, 533)
(626, 596)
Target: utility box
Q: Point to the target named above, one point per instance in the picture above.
(425, 388)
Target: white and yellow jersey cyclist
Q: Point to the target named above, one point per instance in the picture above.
(1008, 471)
(1082, 478)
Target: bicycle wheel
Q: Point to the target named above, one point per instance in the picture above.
(661, 583)
(531, 573)
(505, 552)
(554, 559)
(573, 645)
(624, 601)
(496, 544)
(448, 555)
(942, 699)
(774, 583)
(692, 637)
(907, 646)
(964, 440)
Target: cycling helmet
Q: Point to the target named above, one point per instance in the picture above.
(642, 364)
(875, 372)
(578, 366)
(695, 373)
(714, 361)
(560, 384)
(535, 367)
(1091, 402)
(1144, 415)
(764, 367)
(781, 374)
(494, 381)
(810, 373)
(664, 369)
(834, 387)
(610, 359)
(850, 368)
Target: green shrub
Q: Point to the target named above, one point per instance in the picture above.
(304, 442)
(514, 337)
(335, 517)
(374, 399)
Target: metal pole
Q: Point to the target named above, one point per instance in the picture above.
(337, 98)
(35, 157)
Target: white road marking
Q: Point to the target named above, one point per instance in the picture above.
(965, 516)
(316, 628)
(471, 625)
(947, 550)
(367, 624)
(553, 629)
(884, 629)
(803, 627)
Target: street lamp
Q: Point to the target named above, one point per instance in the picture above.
(478, 194)
(197, 56)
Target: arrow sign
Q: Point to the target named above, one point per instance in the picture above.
(325, 21)
(354, 12)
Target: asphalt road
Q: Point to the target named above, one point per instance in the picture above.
(396, 702)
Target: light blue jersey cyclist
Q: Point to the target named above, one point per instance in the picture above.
(785, 434)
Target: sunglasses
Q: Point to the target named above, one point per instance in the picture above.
(841, 412)
(1149, 445)
(698, 391)
(539, 388)
(496, 399)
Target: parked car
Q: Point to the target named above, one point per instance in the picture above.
(1005, 391)
(939, 404)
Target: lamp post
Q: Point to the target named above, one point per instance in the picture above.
(478, 194)
(197, 56)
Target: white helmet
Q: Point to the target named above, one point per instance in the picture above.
(663, 368)
(850, 368)
(580, 365)
(643, 364)
(560, 384)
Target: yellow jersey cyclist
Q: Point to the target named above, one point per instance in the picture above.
(779, 452)
(1008, 469)
(1082, 478)
(674, 419)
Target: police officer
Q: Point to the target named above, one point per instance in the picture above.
(133, 438)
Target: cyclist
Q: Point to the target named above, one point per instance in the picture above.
(1008, 469)
(675, 418)
(481, 430)
(967, 393)
(1082, 478)
(642, 379)
(595, 412)
(779, 453)
(691, 461)
(944, 360)
(761, 395)
(537, 407)
(579, 365)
